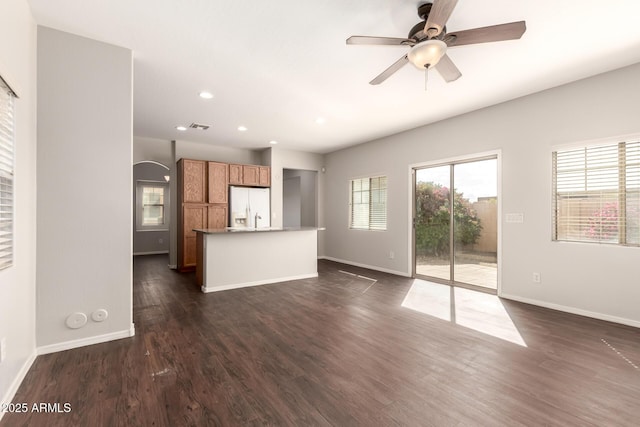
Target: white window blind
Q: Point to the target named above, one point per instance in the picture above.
(6, 174)
(151, 205)
(368, 205)
(596, 194)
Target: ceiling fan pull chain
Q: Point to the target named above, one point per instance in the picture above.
(426, 76)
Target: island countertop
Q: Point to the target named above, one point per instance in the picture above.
(229, 258)
(231, 230)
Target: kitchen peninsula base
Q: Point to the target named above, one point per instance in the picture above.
(232, 258)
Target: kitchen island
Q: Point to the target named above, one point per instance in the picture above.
(232, 258)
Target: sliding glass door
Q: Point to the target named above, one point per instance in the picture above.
(455, 232)
(432, 220)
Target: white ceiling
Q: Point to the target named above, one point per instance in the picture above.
(275, 66)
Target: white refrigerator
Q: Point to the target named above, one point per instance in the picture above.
(249, 207)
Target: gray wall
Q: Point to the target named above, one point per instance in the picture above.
(152, 149)
(591, 279)
(18, 283)
(199, 151)
(291, 202)
(149, 241)
(84, 198)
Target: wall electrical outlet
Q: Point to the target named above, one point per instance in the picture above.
(392, 255)
(3, 349)
(535, 277)
(160, 241)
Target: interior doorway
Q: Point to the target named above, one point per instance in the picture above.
(299, 198)
(455, 233)
(151, 208)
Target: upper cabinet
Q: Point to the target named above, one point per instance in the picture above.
(218, 182)
(250, 175)
(235, 174)
(192, 175)
(265, 176)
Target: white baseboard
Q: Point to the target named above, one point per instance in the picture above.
(150, 253)
(68, 345)
(15, 384)
(370, 267)
(573, 310)
(256, 283)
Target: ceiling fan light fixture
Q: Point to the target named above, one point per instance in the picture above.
(427, 53)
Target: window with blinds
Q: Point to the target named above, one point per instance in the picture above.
(368, 203)
(596, 194)
(152, 205)
(151, 199)
(6, 174)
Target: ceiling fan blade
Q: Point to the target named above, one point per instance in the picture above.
(438, 16)
(389, 71)
(391, 41)
(448, 69)
(493, 33)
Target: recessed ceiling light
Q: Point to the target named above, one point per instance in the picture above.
(181, 128)
(321, 120)
(206, 95)
(273, 142)
(242, 128)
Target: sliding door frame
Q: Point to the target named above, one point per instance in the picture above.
(496, 154)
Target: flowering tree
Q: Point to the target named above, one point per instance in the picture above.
(433, 219)
(603, 224)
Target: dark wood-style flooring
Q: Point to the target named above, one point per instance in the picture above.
(338, 351)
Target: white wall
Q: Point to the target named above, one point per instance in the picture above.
(597, 280)
(17, 283)
(84, 197)
(280, 159)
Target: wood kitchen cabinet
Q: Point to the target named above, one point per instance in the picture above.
(203, 196)
(192, 181)
(218, 182)
(264, 176)
(192, 216)
(235, 175)
(250, 175)
(199, 216)
(217, 216)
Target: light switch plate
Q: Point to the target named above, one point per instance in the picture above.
(514, 218)
(3, 349)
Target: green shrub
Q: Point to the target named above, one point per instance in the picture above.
(433, 219)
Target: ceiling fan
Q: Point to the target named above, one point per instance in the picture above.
(429, 40)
